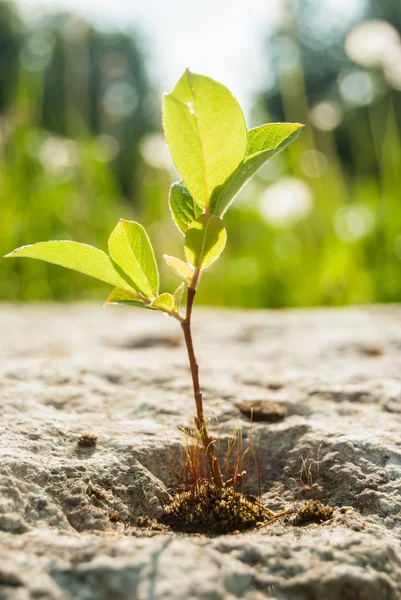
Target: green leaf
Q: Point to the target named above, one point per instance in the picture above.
(206, 133)
(130, 248)
(273, 136)
(182, 206)
(165, 302)
(78, 257)
(180, 268)
(178, 296)
(205, 241)
(119, 296)
(263, 143)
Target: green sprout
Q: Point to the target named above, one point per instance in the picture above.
(215, 156)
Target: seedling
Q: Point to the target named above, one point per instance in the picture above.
(312, 510)
(306, 486)
(215, 156)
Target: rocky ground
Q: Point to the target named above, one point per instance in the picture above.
(68, 512)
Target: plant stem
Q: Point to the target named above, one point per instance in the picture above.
(200, 420)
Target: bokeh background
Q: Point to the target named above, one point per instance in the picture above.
(81, 145)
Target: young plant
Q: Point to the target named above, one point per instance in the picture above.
(215, 156)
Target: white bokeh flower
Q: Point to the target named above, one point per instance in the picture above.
(371, 43)
(286, 202)
(155, 152)
(58, 155)
(326, 116)
(357, 87)
(392, 69)
(353, 222)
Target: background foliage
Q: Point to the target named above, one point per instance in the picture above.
(80, 147)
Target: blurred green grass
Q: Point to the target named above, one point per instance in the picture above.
(314, 228)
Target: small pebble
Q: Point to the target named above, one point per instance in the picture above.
(87, 440)
(262, 410)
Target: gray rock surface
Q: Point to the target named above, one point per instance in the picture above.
(122, 375)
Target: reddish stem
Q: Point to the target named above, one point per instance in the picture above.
(200, 420)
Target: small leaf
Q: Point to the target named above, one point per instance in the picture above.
(273, 136)
(205, 241)
(206, 133)
(181, 268)
(119, 296)
(78, 257)
(130, 248)
(165, 302)
(182, 206)
(263, 143)
(178, 296)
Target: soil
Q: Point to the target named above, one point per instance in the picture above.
(92, 401)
